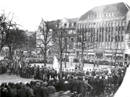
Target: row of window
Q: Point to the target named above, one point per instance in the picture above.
(110, 34)
(101, 29)
(119, 45)
(100, 24)
(72, 24)
(101, 38)
(109, 14)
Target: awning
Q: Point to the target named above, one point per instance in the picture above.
(127, 51)
(91, 54)
(119, 55)
(108, 54)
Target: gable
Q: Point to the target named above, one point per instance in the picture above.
(115, 10)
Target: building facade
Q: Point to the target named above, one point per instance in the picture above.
(103, 30)
(68, 29)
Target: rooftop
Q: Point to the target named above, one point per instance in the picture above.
(120, 9)
(73, 19)
(29, 33)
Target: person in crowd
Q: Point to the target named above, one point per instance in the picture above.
(102, 80)
(50, 89)
(44, 89)
(23, 92)
(38, 90)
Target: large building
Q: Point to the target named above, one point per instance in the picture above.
(104, 30)
(68, 29)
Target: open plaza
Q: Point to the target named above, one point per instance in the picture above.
(86, 56)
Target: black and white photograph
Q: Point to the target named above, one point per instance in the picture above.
(64, 48)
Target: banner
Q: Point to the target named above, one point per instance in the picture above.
(56, 64)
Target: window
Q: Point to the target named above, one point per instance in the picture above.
(116, 28)
(93, 16)
(88, 16)
(119, 28)
(110, 14)
(111, 29)
(122, 28)
(74, 24)
(122, 38)
(102, 29)
(109, 38)
(106, 36)
(102, 15)
(102, 36)
(93, 29)
(88, 29)
(106, 14)
(97, 16)
(69, 24)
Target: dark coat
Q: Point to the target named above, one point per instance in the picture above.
(23, 92)
(38, 92)
(44, 91)
(51, 90)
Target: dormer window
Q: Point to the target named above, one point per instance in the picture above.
(93, 16)
(102, 15)
(106, 14)
(97, 16)
(88, 16)
(74, 24)
(112, 14)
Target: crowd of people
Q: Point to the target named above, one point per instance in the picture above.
(94, 82)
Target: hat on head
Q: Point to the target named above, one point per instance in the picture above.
(44, 83)
(38, 84)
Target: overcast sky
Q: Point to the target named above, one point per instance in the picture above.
(29, 13)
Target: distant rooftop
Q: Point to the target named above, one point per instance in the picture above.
(29, 33)
(120, 9)
(73, 19)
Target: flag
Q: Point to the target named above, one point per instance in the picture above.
(56, 64)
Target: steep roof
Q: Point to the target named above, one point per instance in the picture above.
(73, 19)
(120, 9)
(29, 33)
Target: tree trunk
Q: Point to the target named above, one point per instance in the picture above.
(45, 59)
(82, 57)
(60, 64)
(65, 53)
(10, 52)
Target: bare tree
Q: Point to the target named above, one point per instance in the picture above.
(6, 25)
(3, 23)
(81, 40)
(61, 40)
(45, 36)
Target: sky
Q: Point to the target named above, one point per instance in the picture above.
(29, 13)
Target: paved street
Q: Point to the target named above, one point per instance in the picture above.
(13, 78)
(71, 66)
